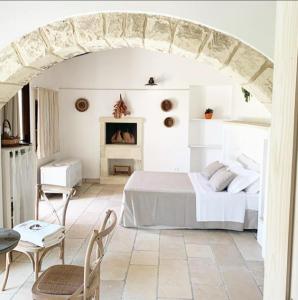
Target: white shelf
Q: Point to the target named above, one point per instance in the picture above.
(208, 120)
(247, 123)
(206, 146)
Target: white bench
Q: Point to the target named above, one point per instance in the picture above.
(66, 172)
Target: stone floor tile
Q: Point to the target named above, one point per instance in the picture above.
(141, 283)
(257, 270)
(123, 240)
(204, 271)
(147, 240)
(227, 255)
(144, 258)
(240, 284)
(174, 281)
(194, 250)
(209, 292)
(111, 289)
(247, 245)
(115, 266)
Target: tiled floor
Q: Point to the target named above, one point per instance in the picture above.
(152, 264)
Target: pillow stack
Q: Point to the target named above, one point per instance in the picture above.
(235, 178)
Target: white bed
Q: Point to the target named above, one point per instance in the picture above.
(168, 200)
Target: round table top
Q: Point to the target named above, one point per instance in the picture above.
(9, 239)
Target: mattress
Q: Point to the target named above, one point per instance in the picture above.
(168, 200)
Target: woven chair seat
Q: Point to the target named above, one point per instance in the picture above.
(59, 280)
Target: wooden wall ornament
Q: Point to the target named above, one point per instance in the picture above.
(82, 104)
(169, 122)
(166, 105)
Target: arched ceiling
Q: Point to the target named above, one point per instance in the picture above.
(39, 50)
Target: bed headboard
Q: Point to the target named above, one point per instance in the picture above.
(254, 143)
(248, 140)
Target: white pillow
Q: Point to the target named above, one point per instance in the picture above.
(254, 187)
(248, 163)
(243, 179)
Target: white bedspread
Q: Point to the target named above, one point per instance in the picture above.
(220, 206)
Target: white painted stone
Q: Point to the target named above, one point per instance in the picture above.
(218, 49)
(134, 29)
(262, 86)
(34, 51)
(7, 91)
(93, 32)
(60, 37)
(245, 63)
(115, 29)
(158, 33)
(12, 71)
(10, 63)
(188, 39)
(89, 30)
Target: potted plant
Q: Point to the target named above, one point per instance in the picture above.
(208, 113)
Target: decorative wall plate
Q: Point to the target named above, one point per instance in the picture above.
(82, 104)
(166, 105)
(169, 122)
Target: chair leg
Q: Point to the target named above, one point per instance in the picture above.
(8, 257)
(36, 265)
(96, 296)
(62, 252)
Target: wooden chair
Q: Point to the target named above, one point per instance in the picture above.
(76, 282)
(36, 253)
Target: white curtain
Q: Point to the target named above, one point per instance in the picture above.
(22, 165)
(11, 113)
(48, 123)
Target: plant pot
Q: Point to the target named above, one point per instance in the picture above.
(208, 116)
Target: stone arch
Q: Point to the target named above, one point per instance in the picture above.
(40, 49)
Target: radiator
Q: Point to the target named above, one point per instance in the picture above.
(18, 185)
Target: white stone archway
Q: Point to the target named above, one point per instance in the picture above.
(39, 50)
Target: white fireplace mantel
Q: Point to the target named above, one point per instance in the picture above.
(119, 151)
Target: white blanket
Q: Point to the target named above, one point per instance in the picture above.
(40, 233)
(217, 206)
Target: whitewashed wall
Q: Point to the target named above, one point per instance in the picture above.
(102, 76)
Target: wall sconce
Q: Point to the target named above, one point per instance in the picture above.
(151, 82)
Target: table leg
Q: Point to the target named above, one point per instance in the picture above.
(7, 266)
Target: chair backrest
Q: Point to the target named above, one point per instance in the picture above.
(100, 239)
(43, 189)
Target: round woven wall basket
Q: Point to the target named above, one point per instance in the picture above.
(169, 122)
(166, 105)
(82, 104)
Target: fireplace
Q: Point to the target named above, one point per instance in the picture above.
(121, 133)
(121, 148)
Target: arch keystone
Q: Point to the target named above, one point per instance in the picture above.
(115, 29)
(134, 30)
(89, 31)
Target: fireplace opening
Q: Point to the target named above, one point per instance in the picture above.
(121, 133)
(121, 167)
